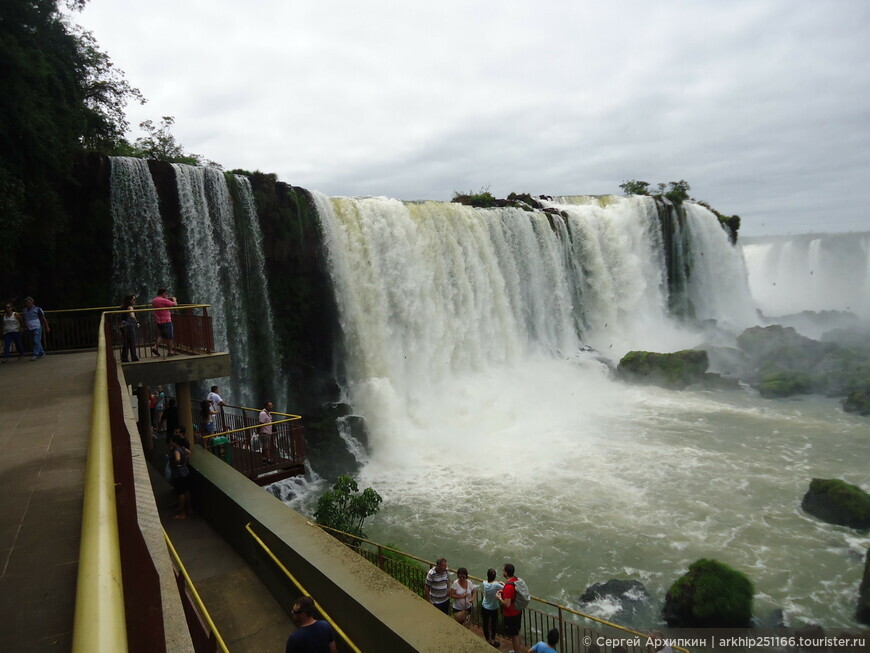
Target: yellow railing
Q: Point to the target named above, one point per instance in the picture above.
(381, 547)
(197, 599)
(100, 622)
(295, 581)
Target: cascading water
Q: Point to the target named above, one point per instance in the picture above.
(140, 260)
(493, 435)
(818, 272)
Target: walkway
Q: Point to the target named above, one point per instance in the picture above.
(44, 425)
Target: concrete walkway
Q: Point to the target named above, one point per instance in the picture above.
(45, 410)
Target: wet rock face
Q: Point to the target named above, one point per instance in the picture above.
(677, 370)
(621, 590)
(838, 502)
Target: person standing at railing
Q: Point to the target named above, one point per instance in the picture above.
(550, 645)
(489, 606)
(178, 458)
(265, 432)
(129, 323)
(215, 402)
(513, 610)
(462, 592)
(13, 323)
(437, 585)
(165, 330)
(35, 323)
(312, 635)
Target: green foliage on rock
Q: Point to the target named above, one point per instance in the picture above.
(635, 187)
(838, 502)
(675, 370)
(862, 614)
(345, 508)
(483, 199)
(857, 401)
(159, 143)
(786, 384)
(710, 595)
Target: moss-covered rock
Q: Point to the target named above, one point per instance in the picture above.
(785, 384)
(675, 370)
(838, 502)
(710, 595)
(862, 614)
(857, 401)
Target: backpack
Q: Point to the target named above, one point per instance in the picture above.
(522, 596)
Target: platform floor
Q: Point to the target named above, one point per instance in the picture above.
(45, 409)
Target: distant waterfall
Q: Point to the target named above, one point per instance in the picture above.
(140, 260)
(788, 274)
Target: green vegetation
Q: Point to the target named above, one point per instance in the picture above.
(710, 595)
(838, 502)
(785, 384)
(676, 191)
(159, 143)
(675, 370)
(482, 199)
(345, 508)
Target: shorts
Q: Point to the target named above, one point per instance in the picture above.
(208, 428)
(444, 606)
(166, 330)
(181, 484)
(512, 625)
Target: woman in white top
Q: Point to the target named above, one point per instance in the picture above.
(12, 325)
(462, 592)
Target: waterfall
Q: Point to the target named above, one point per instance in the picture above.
(818, 272)
(259, 304)
(213, 266)
(140, 259)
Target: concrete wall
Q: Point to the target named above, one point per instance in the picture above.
(376, 611)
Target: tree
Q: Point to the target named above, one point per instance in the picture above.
(679, 191)
(159, 143)
(59, 94)
(635, 187)
(345, 508)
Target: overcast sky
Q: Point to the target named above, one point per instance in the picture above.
(761, 105)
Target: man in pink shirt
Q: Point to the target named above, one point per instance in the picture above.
(164, 322)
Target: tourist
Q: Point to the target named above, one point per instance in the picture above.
(129, 323)
(206, 419)
(311, 635)
(170, 416)
(435, 589)
(462, 592)
(180, 475)
(179, 433)
(164, 322)
(35, 324)
(550, 645)
(512, 614)
(215, 400)
(489, 606)
(265, 432)
(13, 323)
(159, 406)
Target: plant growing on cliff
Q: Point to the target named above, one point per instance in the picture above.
(482, 199)
(159, 143)
(710, 595)
(345, 508)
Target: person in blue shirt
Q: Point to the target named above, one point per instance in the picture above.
(312, 635)
(550, 645)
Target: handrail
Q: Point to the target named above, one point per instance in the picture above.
(100, 621)
(248, 428)
(534, 598)
(115, 309)
(274, 412)
(199, 603)
(296, 582)
(120, 311)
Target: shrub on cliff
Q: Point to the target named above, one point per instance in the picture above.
(838, 502)
(345, 508)
(858, 401)
(785, 384)
(676, 370)
(710, 595)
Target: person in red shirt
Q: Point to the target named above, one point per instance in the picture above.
(512, 616)
(164, 322)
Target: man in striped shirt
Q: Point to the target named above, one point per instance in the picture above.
(437, 581)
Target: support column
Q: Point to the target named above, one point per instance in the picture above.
(185, 418)
(143, 393)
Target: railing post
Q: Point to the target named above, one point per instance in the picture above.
(380, 558)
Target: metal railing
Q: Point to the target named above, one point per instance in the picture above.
(237, 441)
(74, 329)
(100, 619)
(335, 627)
(204, 639)
(576, 635)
